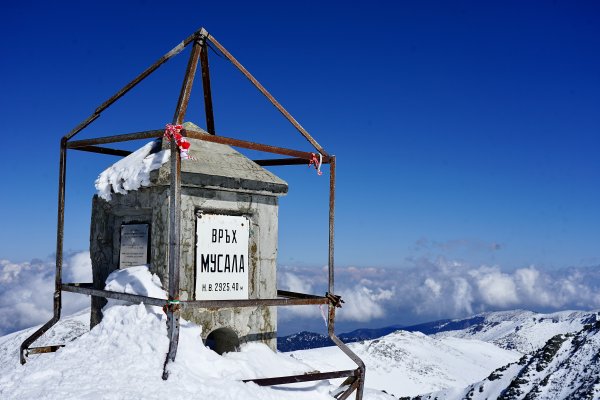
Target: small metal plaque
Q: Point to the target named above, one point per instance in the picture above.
(222, 262)
(134, 245)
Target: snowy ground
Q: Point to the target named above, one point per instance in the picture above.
(521, 330)
(408, 364)
(122, 358)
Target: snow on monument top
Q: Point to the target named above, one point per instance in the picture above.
(214, 165)
(131, 172)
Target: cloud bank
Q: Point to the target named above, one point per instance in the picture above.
(26, 290)
(374, 296)
(443, 289)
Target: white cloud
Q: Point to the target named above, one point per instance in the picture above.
(495, 288)
(449, 289)
(26, 290)
(434, 286)
(363, 304)
(462, 297)
(295, 283)
(78, 268)
(429, 290)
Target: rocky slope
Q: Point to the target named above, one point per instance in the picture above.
(520, 330)
(566, 367)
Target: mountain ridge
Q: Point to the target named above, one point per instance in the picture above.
(566, 367)
(512, 330)
(452, 363)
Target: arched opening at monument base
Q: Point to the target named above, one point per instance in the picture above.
(223, 340)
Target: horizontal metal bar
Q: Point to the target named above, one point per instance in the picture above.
(252, 302)
(296, 295)
(44, 349)
(86, 288)
(282, 161)
(316, 376)
(104, 150)
(116, 138)
(299, 155)
(249, 145)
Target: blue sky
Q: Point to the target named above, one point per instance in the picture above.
(463, 130)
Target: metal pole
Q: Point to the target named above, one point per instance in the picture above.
(174, 248)
(176, 50)
(188, 81)
(60, 231)
(156, 133)
(62, 174)
(208, 106)
(360, 380)
(331, 222)
(268, 95)
(250, 145)
(173, 309)
(105, 150)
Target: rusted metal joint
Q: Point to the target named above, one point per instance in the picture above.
(200, 38)
(172, 305)
(334, 299)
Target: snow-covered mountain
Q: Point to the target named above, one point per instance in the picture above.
(520, 330)
(405, 364)
(127, 349)
(566, 367)
(410, 363)
(310, 340)
(122, 358)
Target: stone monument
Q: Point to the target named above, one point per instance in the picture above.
(229, 223)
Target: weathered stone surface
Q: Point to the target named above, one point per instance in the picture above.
(221, 167)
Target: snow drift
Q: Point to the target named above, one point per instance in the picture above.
(123, 356)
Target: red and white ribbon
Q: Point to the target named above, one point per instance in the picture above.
(173, 132)
(316, 162)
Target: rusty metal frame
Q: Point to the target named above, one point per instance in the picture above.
(354, 378)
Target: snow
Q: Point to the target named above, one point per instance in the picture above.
(491, 389)
(123, 356)
(131, 172)
(524, 331)
(566, 367)
(136, 280)
(411, 363)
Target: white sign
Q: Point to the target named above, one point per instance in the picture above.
(134, 245)
(222, 257)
